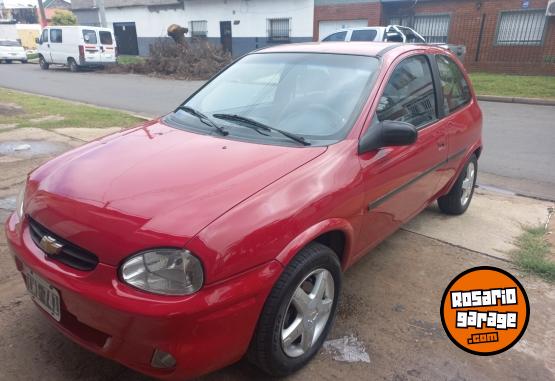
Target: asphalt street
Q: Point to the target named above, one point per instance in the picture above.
(519, 140)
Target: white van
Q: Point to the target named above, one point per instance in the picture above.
(76, 47)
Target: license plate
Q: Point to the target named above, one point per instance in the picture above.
(44, 294)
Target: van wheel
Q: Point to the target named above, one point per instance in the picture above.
(73, 65)
(458, 199)
(298, 313)
(43, 64)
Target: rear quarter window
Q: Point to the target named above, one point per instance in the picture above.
(89, 36)
(105, 38)
(340, 36)
(456, 92)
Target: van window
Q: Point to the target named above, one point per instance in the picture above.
(340, 36)
(364, 35)
(409, 95)
(105, 38)
(89, 36)
(56, 35)
(44, 36)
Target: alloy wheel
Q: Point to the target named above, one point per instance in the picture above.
(307, 313)
(468, 183)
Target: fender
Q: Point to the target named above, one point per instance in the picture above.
(313, 232)
(470, 152)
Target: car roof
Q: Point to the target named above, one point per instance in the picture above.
(361, 48)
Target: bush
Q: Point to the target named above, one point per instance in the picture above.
(197, 60)
(63, 18)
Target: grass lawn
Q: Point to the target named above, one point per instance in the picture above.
(26, 110)
(32, 56)
(533, 253)
(514, 85)
(128, 60)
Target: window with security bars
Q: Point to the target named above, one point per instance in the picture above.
(199, 28)
(434, 28)
(279, 29)
(521, 27)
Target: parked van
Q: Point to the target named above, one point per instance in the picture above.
(76, 47)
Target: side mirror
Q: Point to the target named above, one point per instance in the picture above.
(388, 133)
(37, 40)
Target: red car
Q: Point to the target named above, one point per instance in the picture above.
(223, 228)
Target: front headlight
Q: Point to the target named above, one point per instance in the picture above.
(19, 201)
(164, 271)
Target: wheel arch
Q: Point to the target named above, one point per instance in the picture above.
(335, 233)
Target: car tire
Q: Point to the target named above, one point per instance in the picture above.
(23, 61)
(275, 348)
(458, 199)
(72, 65)
(43, 64)
(8, 61)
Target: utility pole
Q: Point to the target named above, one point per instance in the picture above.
(43, 21)
(102, 13)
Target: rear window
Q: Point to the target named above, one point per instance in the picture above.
(9, 43)
(89, 36)
(105, 38)
(364, 35)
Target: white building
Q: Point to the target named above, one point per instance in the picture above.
(239, 25)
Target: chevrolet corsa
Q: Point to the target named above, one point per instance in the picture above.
(223, 229)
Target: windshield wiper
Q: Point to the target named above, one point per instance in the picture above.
(257, 125)
(203, 118)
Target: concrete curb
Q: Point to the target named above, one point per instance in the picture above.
(527, 101)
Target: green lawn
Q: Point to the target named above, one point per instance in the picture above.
(533, 251)
(25, 110)
(514, 85)
(129, 60)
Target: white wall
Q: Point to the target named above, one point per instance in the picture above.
(251, 14)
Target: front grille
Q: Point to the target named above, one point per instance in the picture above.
(70, 254)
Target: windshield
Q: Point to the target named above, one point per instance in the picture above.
(314, 96)
(9, 43)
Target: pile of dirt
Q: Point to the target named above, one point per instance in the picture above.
(197, 60)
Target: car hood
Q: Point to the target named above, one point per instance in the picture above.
(152, 186)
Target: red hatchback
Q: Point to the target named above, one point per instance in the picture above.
(223, 228)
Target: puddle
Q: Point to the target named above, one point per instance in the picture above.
(31, 148)
(347, 349)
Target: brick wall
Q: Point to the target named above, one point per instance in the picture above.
(348, 11)
(466, 19)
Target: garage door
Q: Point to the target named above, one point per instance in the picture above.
(325, 28)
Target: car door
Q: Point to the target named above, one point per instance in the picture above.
(91, 45)
(107, 47)
(55, 45)
(462, 126)
(44, 45)
(400, 181)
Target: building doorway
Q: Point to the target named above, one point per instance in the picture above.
(126, 38)
(225, 35)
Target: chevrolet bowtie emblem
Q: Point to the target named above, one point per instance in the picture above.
(50, 245)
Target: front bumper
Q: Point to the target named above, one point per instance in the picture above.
(204, 331)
